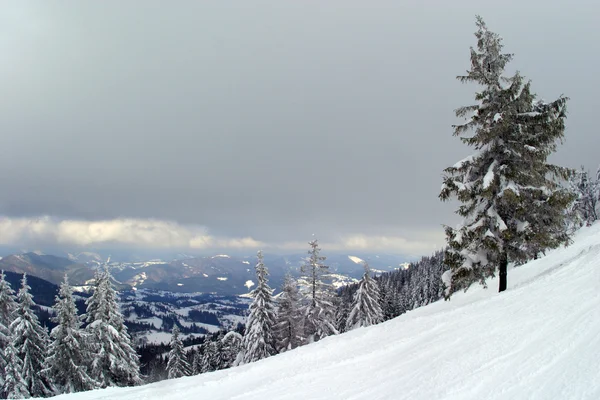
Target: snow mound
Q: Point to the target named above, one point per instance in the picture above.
(538, 340)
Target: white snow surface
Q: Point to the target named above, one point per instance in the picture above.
(539, 340)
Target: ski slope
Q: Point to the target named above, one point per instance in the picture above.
(538, 340)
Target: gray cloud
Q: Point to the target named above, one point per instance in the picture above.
(264, 120)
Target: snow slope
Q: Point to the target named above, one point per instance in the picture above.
(538, 340)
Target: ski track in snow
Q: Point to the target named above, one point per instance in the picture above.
(538, 340)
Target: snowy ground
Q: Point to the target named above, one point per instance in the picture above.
(539, 340)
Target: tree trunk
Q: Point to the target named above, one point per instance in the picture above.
(503, 266)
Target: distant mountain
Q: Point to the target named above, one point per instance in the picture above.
(43, 291)
(85, 257)
(230, 275)
(50, 268)
(221, 274)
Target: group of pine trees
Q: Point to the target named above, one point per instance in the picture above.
(213, 354)
(402, 290)
(72, 358)
(306, 311)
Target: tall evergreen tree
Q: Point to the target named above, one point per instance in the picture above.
(258, 341)
(177, 364)
(7, 309)
(30, 340)
(319, 314)
(69, 354)
(115, 362)
(513, 206)
(288, 329)
(366, 308)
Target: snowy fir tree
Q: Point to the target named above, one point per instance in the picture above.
(342, 304)
(13, 386)
(7, 309)
(366, 310)
(512, 203)
(210, 357)
(30, 340)
(586, 190)
(288, 328)
(404, 289)
(196, 362)
(231, 344)
(69, 354)
(115, 362)
(258, 341)
(7, 304)
(177, 366)
(319, 313)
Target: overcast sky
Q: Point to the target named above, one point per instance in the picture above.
(256, 124)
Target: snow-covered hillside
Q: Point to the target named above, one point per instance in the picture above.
(538, 340)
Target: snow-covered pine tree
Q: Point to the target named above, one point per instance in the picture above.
(513, 206)
(68, 355)
(258, 341)
(210, 357)
(586, 191)
(342, 304)
(231, 345)
(288, 329)
(7, 302)
(30, 340)
(177, 366)
(197, 362)
(319, 314)
(7, 308)
(219, 362)
(115, 362)
(366, 309)
(13, 386)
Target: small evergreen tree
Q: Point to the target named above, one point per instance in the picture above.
(30, 340)
(7, 309)
(319, 314)
(231, 345)
(586, 191)
(210, 357)
(513, 206)
(258, 341)
(115, 362)
(177, 364)
(68, 355)
(366, 308)
(7, 302)
(197, 362)
(288, 329)
(13, 386)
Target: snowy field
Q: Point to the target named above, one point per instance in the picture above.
(538, 340)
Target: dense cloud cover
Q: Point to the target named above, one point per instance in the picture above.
(258, 124)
